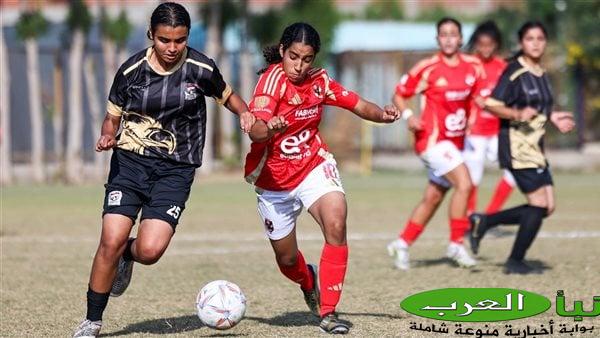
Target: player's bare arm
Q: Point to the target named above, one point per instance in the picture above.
(107, 139)
(236, 105)
(413, 121)
(372, 112)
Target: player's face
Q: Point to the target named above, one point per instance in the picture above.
(449, 38)
(297, 60)
(485, 46)
(533, 43)
(169, 42)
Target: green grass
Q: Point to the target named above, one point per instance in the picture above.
(49, 235)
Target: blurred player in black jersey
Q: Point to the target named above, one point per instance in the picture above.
(158, 99)
(523, 101)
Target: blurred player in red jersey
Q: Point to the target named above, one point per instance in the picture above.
(291, 166)
(481, 141)
(448, 80)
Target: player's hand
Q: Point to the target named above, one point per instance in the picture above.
(105, 142)
(277, 124)
(479, 101)
(526, 114)
(247, 120)
(390, 114)
(414, 123)
(563, 121)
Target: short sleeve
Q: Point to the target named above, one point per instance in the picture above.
(212, 83)
(267, 93)
(339, 96)
(505, 93)
(117, 95)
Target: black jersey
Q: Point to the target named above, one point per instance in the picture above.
(164, 113)
(520, 144)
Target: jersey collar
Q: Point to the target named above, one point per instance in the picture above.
(149, 52)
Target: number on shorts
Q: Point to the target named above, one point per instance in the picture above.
(174, 211)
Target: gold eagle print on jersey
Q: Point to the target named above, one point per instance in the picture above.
(141, 132)
(525, 143)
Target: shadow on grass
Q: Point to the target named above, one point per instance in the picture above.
(167, 326)
(305, 318)
(539, 266)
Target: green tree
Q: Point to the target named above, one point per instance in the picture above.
(383, 10)
(30, 26)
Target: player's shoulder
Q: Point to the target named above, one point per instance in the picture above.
(514, 70)
(199, 59)
(271, 79)
(317, 72)
(425, 64)
(499, 62)
(473, 62)
(134, 61)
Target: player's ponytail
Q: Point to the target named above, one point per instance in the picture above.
(296, 32)
(521, 34)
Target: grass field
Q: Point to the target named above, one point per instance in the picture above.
(49, 235)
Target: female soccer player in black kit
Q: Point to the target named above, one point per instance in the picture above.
(158, 99)
(523, 100)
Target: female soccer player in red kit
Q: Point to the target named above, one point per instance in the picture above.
(291, 166)
(448, 80)
(481, 141)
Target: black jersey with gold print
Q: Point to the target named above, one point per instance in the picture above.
(164, 113)
(520, 144)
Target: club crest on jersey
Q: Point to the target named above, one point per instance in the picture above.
(114, 198)
(441, 82)
(317, 91)
(470, 80)
(190, 91)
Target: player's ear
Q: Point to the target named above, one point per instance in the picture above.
(281, 50)
(149, 34)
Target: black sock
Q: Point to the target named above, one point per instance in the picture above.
(127, 255)
(96, 303)
(507, 217)
(530, 224)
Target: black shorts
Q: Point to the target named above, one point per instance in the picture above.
(158, 187)
(529, 180)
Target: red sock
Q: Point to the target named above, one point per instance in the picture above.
(411, 232)
(503, 190)
(332, 271)
(298, 273)
(472, 202)
(458, 228)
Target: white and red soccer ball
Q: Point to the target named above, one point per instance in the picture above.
(221, 304)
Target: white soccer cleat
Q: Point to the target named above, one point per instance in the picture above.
(399, 250)
(459, 255)
(88, 329)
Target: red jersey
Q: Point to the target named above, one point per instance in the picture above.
(283, 161)
(446, 100)
(485, 123)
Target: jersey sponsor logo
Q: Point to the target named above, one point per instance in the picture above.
(305, 114)
(457, 95)
(114, 198)
(261, 101)
(141, 132)
(455, 123)
(174, 211)
(190, 92)
(345, 93)
(441, 82)
(292, 146)
(470, 80)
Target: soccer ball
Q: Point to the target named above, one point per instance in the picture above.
(221, 304)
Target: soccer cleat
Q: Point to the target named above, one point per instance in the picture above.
(331, 324)
(513, 266)
(459, 255)
(88, 329)
(478, 229)
(399, 250)
(121, 282)
(312, 297)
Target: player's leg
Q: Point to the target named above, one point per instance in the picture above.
(474, 155)
(505, 185)
(278, 211)
(459, 224)
(323, 195)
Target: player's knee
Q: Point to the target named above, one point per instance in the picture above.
(464, 186)
(433, 199)
(110, 247)
(147, 254)
(336, 232)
